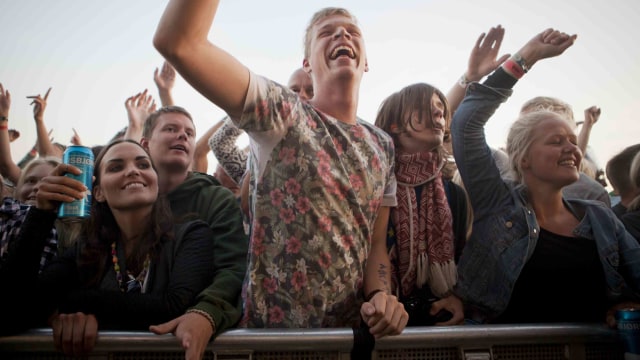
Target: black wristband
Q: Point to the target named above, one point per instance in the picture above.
(372, 294)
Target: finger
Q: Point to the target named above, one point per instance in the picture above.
(79, 323)
(46, 96)
(56, 326)
(479, 40)
(74, 131)
(166, 328)
(67, 334)
(90, 333)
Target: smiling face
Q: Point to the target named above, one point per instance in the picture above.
(553, 156)
(125, 178)
(334, 45)
(27, 187)
(424, 131)
(172, 142)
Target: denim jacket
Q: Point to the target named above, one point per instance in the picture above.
(505, 229)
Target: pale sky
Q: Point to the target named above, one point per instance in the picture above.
(95, 54)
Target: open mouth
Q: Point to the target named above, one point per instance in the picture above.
(343, 50)
(134, 185)
(567, 163)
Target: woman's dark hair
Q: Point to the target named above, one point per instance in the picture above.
(102, 231)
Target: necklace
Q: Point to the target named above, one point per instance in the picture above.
(134, 284)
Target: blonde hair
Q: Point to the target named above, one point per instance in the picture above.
(549, 103)
(319, 15)
(520, 138)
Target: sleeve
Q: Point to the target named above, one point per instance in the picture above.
(223, 145)
(19, 272)
(191, 269)
(221, 299)
(473, 156)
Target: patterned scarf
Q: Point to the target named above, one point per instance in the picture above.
(424, 231)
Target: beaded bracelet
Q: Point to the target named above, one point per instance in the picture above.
(206, 315)
(463, 81)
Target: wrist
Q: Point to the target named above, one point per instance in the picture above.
(206, 315)
(373, 293)
(463, 81)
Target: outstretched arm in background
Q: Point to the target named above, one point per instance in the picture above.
(591, 116)
(138, 106)
(44, 144)
(200, 162)
(8, 169)
(165, 79)
(482, 61)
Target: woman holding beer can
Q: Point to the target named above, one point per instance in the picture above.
(131, 268)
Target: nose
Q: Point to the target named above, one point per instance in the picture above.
(340, 32)
(132, 171)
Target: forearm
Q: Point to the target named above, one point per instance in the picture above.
(43, 143)
(133, 132)
(166, 98)
(377, 273)
(583, 137)
(8, 169)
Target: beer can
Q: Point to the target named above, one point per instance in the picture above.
(82, 158)
(628, 321)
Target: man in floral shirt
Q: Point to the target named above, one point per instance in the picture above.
(323, 179)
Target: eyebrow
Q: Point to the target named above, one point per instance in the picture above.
(119, 160)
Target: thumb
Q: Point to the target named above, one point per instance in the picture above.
(368, 309)
(164, 328)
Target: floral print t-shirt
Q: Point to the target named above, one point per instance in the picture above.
(319, 184)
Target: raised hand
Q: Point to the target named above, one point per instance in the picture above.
(484, 55)
(75, 139)
(165, 78)
(139, 107)
(546, 44)
(39, 104)
(13, 134)
(5, 101)
(591, 115)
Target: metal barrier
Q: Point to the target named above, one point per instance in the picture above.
(471, 342)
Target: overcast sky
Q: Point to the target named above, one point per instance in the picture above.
(95, 54)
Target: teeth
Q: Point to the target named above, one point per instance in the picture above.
(137, 185)
(567, 162)
(336, 51)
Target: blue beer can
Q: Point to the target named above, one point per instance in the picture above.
(82, 158)
(628, 321)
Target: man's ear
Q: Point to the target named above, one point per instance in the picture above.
(144, 143)
(306, 66)
(97, 194)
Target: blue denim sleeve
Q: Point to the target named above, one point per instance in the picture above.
(478, 169)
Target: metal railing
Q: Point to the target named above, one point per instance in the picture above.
(471, 342)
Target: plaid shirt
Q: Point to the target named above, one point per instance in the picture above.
(12, 215)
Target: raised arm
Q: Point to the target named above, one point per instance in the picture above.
(591, 116)
(44, 144)
(138, 106)
(165, 79)
(200, 162)
(8, 168)
(181, 37)
(482, 61)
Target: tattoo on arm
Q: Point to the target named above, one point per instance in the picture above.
(383, 276)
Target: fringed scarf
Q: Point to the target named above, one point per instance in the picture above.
(424, 231)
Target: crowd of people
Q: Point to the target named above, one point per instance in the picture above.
(325, 219)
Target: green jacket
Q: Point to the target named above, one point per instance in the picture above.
(203, 196)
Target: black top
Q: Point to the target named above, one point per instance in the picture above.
(563, 281)
(183, 269)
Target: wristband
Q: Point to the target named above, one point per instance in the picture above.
(513, 69)
(520, 61)
(463, 81)
(206, 315)
(372, 294)
(4, 118)
(4, 127)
